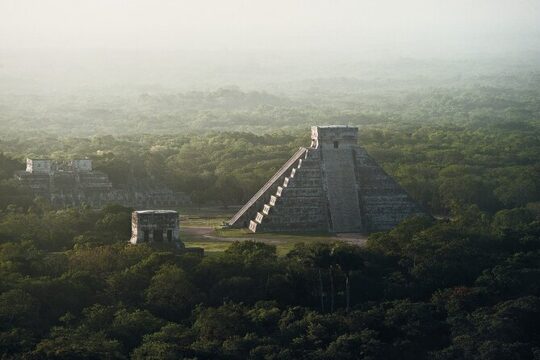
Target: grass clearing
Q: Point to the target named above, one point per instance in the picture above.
(202, 227)
(209, 246)
(220, 239)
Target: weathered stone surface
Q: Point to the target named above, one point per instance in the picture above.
(340, 185)
(38, 166)
(149, 226)
(275, 186)
(334, 186)
(76, 183)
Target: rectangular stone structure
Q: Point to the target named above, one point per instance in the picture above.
(81, 164)
(39, 166)
(332, 186)
(149, 226)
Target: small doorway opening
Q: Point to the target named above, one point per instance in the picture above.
(146, 236)
(158, 235)
(336, 144)
(169, 235)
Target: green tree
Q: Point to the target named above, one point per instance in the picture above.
(171, 292)
(348, 258)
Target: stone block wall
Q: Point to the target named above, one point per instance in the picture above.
(383, 202)
(155, 226)
(340, 183)
(75, 184)
(333, 186)
(298, 206)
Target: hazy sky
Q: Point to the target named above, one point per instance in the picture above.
(268, 25)
(52, 45)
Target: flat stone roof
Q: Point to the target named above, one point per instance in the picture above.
(334, 126)
(156, 212)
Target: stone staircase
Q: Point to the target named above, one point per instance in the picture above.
(332, 186)
(273, 187)
(297, 202)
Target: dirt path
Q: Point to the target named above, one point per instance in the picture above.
(353, 238)
(206, 232)
(197, 230)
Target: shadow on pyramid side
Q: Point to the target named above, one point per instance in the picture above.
(331, 186)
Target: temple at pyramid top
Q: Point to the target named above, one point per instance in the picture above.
(331, 186)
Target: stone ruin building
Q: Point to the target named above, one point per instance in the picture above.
(159, 227)
(155, 226)
(75, 183)
(331, 186)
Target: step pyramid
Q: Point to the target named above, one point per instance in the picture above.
(331, 186)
